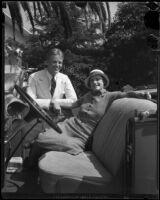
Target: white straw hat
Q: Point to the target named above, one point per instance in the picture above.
(97, 72)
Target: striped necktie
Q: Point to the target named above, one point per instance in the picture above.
(53, 85)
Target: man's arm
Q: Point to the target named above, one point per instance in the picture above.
(70, 95)
(69, 90)
(31, 90)
(55, 104)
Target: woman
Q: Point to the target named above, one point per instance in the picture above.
(77, 130)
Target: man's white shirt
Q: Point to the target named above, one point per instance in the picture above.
(39, 85)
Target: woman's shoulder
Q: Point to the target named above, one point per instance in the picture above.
(87, 95)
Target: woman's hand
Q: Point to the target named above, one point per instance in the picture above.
(147, 95)
(143, 115)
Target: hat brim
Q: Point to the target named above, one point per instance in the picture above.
(104, 76)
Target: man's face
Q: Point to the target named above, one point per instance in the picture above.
(54, 64)
(96, 83)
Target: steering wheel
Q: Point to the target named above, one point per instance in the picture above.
(44, 115)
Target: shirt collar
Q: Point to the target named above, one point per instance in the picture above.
(50, 76)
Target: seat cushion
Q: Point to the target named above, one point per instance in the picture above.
(109, 136)
(63, 172)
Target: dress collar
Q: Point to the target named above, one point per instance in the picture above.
(98, 93)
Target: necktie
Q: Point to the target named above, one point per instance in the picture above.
(53, 85)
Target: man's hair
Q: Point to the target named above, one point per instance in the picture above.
(55, 52)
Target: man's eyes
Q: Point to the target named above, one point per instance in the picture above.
(57, 62)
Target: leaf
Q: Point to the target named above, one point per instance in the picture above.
(34, 9)
(81, 4)
(45, 6)
(11, 9)
(65, 20)
(39, 8)
(26, 7)
(55, 8)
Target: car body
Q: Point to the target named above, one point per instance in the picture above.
(98, 173)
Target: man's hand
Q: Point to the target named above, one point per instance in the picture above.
(55, 107)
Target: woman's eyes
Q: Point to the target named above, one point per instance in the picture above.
(95, 79)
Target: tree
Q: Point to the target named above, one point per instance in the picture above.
(13, 52)
(130, 60)
(66, 25)
(50, 8)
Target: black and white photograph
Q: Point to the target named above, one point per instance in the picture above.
(79, 111)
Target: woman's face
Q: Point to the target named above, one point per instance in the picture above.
(54, 64)
(96, 83)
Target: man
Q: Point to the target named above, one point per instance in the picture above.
(49, 87)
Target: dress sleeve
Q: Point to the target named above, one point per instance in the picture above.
(130, 94)
(118, 95)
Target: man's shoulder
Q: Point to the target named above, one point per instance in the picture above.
(39, 73)
(64, 76)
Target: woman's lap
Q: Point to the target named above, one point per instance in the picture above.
(52, 140)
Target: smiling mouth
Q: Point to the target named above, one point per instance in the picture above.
(56, 69)
(96, 87)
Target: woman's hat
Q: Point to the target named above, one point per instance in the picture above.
(97, 72)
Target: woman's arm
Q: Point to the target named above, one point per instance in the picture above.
(130, 94)
(140, 95)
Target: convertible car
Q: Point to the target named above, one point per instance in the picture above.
(121, 161)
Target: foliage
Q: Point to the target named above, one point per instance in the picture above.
(125, 56)
(13, 52)
(50, 34)
(130, 61)
(66, 25)
(36, 9)
(13, 43)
